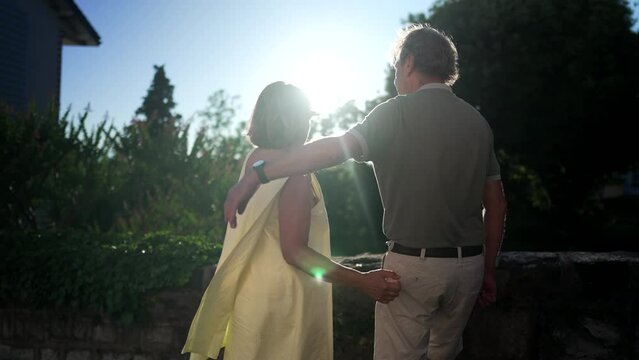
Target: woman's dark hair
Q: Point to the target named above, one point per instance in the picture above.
(280, 118)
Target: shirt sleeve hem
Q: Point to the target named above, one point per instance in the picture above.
(493, 177)
(362, 144)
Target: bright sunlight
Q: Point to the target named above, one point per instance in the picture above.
(327, 80)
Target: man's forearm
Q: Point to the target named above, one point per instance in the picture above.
(310, 157)
(314, 156)
(494, 226)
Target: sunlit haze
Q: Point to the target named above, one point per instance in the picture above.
(327, 79)
(335, 51)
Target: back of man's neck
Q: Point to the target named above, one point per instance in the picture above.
(430, 80)
(425, 80)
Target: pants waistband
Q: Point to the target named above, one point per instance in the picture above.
(441, 252)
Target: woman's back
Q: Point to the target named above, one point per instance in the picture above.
(280, 310)
(266, 307)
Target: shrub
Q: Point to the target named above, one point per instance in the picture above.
(109, 273)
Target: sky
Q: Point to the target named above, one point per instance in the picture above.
(335, 50)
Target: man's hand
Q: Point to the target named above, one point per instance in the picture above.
(488, 292)
(238, 196)
(381, 285)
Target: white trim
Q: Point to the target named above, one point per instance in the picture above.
(440, 86)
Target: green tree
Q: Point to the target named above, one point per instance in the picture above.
(389, 89)
(54, 173)
(557, 81)
(58, 174)
(158, 103)
(151, 153)
(169, 183)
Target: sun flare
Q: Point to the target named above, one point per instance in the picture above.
(326, 80)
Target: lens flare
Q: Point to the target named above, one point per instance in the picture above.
(318, 273)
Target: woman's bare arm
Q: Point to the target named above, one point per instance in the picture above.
(296, 201)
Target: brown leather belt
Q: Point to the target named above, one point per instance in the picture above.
(445, 252)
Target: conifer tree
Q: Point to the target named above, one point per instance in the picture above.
(158, 103)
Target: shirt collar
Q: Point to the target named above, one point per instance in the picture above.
(435, 86)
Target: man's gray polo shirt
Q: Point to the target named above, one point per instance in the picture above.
(433, 154)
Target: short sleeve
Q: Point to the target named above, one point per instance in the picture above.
(375, 132)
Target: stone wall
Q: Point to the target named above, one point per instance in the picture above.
(561, 306)
(550, 306)
(66, 335)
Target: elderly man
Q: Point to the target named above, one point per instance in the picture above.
(436, 168)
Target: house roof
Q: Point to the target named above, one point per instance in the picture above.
(75, 29)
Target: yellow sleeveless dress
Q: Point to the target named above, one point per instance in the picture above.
(258, 306)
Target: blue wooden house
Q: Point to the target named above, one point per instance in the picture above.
(32, 33)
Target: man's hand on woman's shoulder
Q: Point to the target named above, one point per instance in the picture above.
(238, 196)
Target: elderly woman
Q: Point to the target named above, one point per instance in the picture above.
(270, 297)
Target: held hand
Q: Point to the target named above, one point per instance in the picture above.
(381, 285)
(237, 198)
(488, 292)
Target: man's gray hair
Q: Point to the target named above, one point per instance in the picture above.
(433, 51)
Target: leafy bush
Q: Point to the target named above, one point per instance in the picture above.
(102, 272)
(53, 171)
(58, 175)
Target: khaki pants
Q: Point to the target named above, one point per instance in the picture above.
(427, 319)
